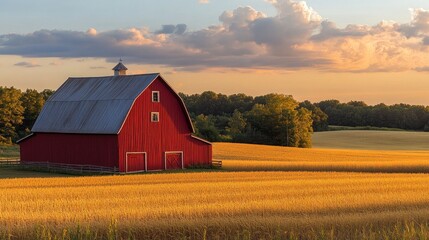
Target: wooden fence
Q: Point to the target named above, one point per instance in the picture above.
(68, 168)
(59, 167)
(217, 163)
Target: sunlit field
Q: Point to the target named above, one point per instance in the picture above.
(215, 205)
(249, 157)
(369, 139)
(245, 200)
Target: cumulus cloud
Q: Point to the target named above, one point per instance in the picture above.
(329, 30)
(296, 37)
(419, 24)
(27, 64)
(172, 29)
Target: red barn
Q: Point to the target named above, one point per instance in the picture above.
(130, 122)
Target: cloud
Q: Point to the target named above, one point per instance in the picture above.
(27, 64)
(204, 1)
(329, 30)
(419, 25)
(426, 40)
(172, 29)
(422, 69)
(295, 37)
(92, 31)
(55, 63)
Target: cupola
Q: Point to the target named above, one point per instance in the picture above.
(120, 69)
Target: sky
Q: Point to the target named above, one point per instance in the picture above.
(370, 50)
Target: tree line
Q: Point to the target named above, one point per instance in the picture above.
(19, 111)
(276, 119)
(279, 119)
(358, 113)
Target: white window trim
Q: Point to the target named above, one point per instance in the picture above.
(165, 158)
(151, 116)
(158, 96)
(126, 161)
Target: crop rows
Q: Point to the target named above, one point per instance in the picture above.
(212, 203)
(248, 157)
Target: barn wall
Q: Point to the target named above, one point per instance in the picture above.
(171, 133)
(100, 150)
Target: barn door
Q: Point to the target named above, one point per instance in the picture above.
(135, 162)
(174, 160)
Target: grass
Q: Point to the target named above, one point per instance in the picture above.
(8, 152)
(375, 140)
(217, 204)
(249, 157)
(16, 173)
(341, 128)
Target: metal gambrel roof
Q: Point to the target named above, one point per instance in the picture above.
(95, 105)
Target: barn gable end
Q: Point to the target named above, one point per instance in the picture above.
(171, 134)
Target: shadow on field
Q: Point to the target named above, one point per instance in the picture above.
(17, 173)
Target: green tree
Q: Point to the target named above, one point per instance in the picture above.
(236, 124)
(32, 101)
(11, 114)
(320, 119)
(304, 127)
(205, 128)
(47, 93)
(426, 127)
(277, 117)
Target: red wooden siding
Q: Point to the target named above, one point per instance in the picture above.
(99, 150)
(171, 133)
(135, 162)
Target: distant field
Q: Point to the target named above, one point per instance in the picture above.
(249, 157)
(219, 205)
(7, 152)
(376, 140)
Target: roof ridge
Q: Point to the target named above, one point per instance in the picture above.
(121, 76)
(127, 99)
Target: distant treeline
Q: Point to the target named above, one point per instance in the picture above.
(217, 116)
(276, 119)
(358, 113)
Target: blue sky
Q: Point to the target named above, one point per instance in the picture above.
(24, 16)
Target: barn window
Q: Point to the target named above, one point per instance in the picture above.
(154, 116)
(155, 96)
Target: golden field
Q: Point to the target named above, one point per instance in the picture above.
(216, 202)
(231, 204)
(250, 157)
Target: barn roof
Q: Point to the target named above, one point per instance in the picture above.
(95, 105)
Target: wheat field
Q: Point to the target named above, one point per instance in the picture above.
(218, 202)
(226, 204)
(250, 157)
